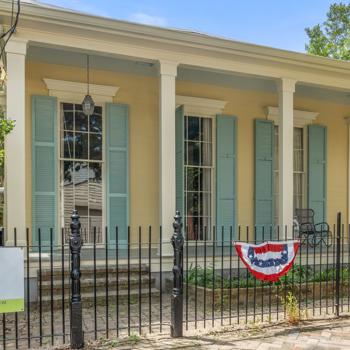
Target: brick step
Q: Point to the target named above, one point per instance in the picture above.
(101, 296)
(88, 272)
(87, 284)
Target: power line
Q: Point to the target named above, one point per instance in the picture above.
(14, 21)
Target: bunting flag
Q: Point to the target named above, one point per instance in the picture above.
(268, 261)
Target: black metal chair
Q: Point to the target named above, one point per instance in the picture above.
(309, 232)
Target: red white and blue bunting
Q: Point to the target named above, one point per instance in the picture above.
(268, 261)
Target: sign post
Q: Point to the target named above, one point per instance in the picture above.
(12, 280)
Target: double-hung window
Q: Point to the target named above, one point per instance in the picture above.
(198, 171)
(81, 160)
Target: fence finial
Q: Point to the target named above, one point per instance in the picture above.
(75, 244)
(177, 241)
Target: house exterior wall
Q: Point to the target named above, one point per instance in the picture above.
(141, 94)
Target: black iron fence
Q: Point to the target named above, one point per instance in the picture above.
(129, 287)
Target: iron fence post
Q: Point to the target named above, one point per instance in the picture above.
(177, 241)
(337, 271)
(76, 324)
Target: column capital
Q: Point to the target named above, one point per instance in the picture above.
(17, 46)
(286, 85)
(168, 67)
(347, 120)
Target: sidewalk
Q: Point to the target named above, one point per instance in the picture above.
(331, 334)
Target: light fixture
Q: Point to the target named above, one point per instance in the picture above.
(88, 103)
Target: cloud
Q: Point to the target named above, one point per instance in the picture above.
(144, 18)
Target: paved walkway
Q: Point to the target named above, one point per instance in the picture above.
(331, 334)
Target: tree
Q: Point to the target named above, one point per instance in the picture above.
(332, 37)
(6, 126)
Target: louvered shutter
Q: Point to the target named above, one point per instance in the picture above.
(117, 168)
(317, 167)
(264, 177)
(44, 177)
(225, 177)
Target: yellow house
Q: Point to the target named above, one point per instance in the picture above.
(229, 133)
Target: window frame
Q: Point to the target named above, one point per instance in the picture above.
(213, 175)
(59, 201)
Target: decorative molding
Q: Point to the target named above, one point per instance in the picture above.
(168, 68)
(286, 85)
(198, 106)
(17, 46)
(301, 118)
(74, 91)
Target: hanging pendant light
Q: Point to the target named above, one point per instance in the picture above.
(88, 103)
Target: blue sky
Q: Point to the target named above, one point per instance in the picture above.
(276, 23)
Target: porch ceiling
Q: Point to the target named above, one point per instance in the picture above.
(185, 73)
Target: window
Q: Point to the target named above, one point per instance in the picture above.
(198, 170)
(81, 157)
(298, 170)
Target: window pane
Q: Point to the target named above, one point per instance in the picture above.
(95, 146)
(68, 121)
(192, 227)
(68, 144)
(206, 154)
(193, 153)
(96, 123)
(81, 145)
(192, 176)
(206, 129)
(193, 128)
(67, 106)
(206, 205)
(192, 204)
(95, 196)
(206, 180)
(81, 121)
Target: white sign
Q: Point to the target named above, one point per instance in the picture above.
(11, 280)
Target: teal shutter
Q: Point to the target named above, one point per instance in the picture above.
(179, 159)
(264, 178)
(117, 133)
(44, 196)
(317, 161)
(226, 165)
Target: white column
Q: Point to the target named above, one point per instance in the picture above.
(168, 71)
(15, 150)
(286, 89)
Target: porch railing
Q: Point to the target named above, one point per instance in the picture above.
(128, 287)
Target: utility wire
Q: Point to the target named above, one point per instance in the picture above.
(14, 21)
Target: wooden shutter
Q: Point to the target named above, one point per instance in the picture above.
(225, 177)
(317, 162)
(264, 177)
(44, 177)
(179, 160)
(117, 133)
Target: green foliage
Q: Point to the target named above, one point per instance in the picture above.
(332, 37)
(296, 274)
(292, 308)
(6, 126)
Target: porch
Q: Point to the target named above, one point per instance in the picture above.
(227, 137)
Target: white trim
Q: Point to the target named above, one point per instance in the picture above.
(301, 118)
(71, 91)
(200, 107)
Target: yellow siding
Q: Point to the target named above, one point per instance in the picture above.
(141, 94)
